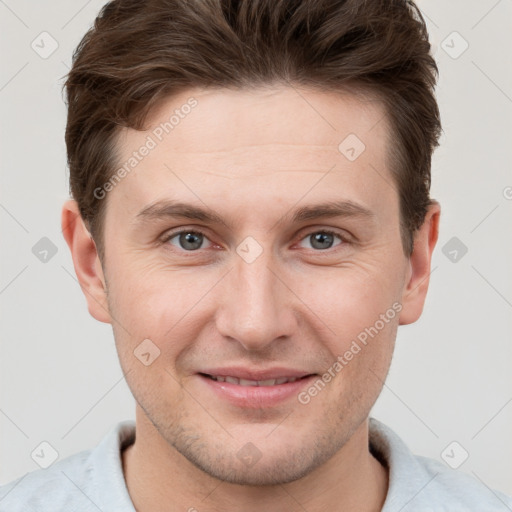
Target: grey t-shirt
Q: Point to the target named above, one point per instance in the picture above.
(92, 481)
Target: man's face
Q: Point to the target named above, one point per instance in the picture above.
(256, 290)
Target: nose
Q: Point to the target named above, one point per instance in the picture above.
(257, 307)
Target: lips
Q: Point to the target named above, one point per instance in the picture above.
(259, 388)
(245, 393)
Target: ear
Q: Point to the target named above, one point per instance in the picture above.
(418, 272)
(86, 261)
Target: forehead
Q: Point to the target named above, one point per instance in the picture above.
(261, 143)
(258, 116)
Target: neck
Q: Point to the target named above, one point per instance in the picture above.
(160, 479)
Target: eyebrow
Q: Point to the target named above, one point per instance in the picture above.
(175, 209)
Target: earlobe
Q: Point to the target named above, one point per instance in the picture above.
(418, 272)
(86, 261)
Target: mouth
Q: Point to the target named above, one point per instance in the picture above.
(246, 393)
(248, 382)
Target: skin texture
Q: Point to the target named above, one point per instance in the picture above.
(253, 157)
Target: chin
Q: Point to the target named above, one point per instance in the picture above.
(254, 464)
(270, 473)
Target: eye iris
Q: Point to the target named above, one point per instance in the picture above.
(191, 240)
(324, 240)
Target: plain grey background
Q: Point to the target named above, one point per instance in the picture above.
(450, 380)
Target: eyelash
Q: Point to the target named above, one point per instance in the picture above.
(343, 238)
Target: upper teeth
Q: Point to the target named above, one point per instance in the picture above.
(246, 382)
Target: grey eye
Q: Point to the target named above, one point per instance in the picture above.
(188, 240)
(322, 239)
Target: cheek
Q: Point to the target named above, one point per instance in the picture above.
(349, 300)
(144, 294)
(148, 311)
(156, 304)
(358, 309)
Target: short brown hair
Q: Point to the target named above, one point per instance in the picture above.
(140, 52)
